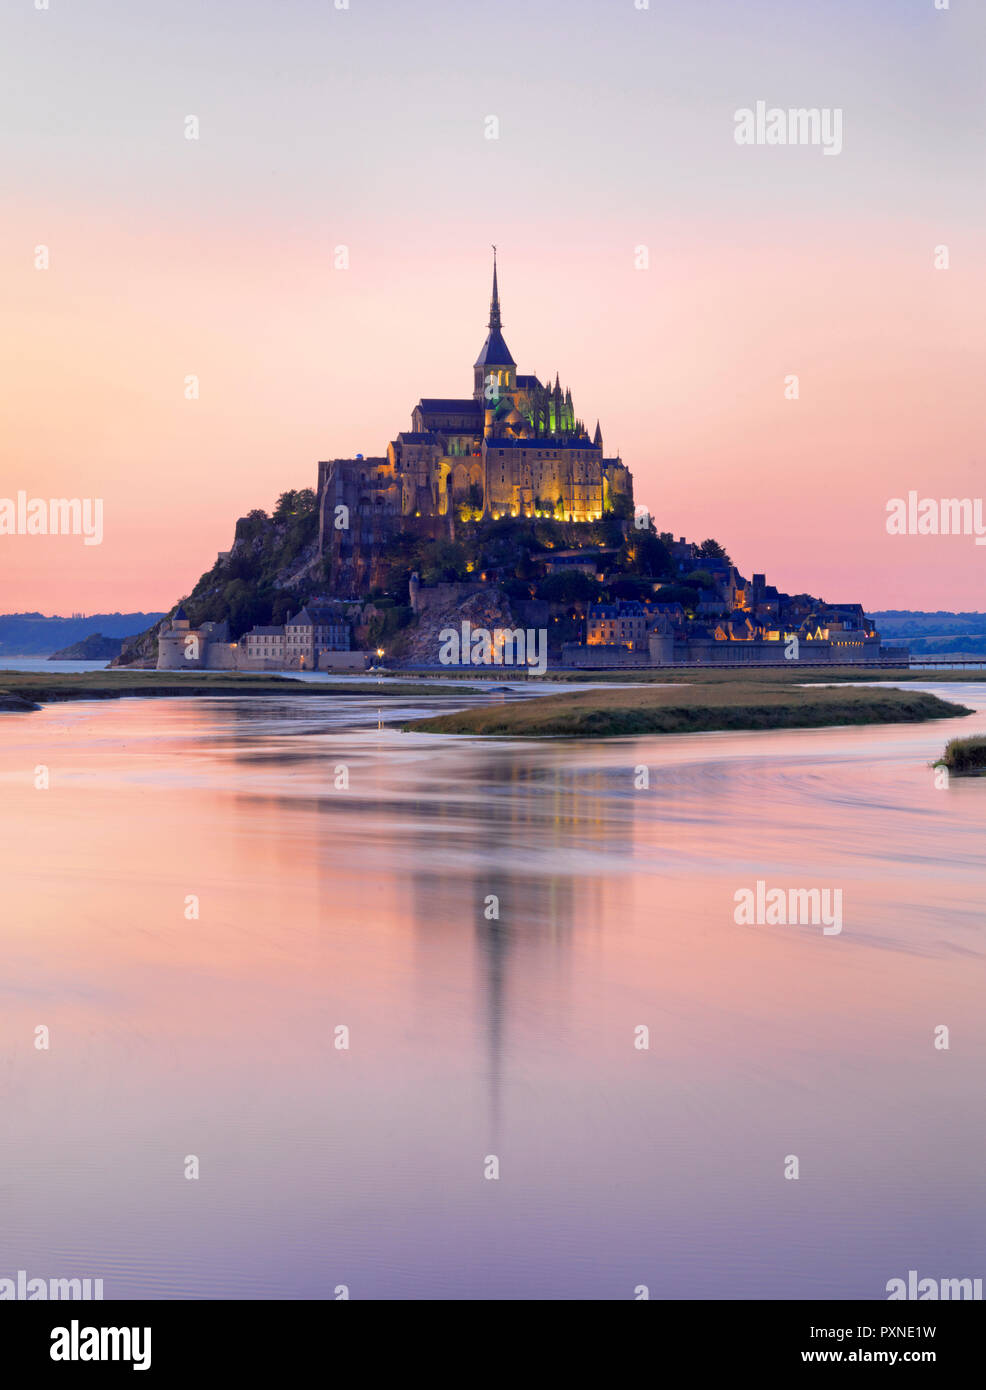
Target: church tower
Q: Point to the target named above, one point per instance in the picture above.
(495, 371)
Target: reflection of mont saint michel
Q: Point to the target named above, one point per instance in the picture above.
(513, 448)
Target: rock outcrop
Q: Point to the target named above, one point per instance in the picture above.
(95, 647)
(486, 608)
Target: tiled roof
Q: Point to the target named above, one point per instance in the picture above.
(494, 352)
(629, 609)
(439, 405)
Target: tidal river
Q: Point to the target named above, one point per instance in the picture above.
(212, 896)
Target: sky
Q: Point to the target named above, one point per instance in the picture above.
(673, 277)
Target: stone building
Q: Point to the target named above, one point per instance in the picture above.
(314, 630)
(765, 627)
(182, 647)
(263, 648)
(515, 447)
(618, 624)
(314, 633)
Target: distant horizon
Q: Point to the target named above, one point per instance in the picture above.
(85, 617)
(161, 612)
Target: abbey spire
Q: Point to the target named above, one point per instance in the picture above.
(494, 371)
(515, 447)
(495, 299)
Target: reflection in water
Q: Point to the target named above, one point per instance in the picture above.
(473, 1033)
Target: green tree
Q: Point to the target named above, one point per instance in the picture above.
(631, 586)
(650, 555)
(678, 593)
(443, 562)
(712, 550)
(295, 503)
(249, 527)
(284, 606)
(286, 504)
(700, 579)
(526, 568)
(568, 586)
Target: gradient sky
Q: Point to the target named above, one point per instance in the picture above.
(365, 127)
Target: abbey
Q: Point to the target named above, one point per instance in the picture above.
(515, 447)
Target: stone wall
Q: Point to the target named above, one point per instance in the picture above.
(600, 656)
(712, 653)
(440, 596)
(344, 661)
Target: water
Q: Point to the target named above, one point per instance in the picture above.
(42, 665)
(364, 907)
(49, 668)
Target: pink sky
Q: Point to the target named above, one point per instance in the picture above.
(171, 257)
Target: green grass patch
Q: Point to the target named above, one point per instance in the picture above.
(965, 757)
(786, 675)
(700, 708)
(710, 675)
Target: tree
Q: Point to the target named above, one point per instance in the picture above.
(295, 503)
(442, 562)
(712, 550)
(244, 568)
(516, 588)
(631, 586)
(568, 586)
(249, 527)
(700, 579)
(650, 555)
(610, 530)
(284, 606)
(242, 607)
(678, 593)
(526, 569)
